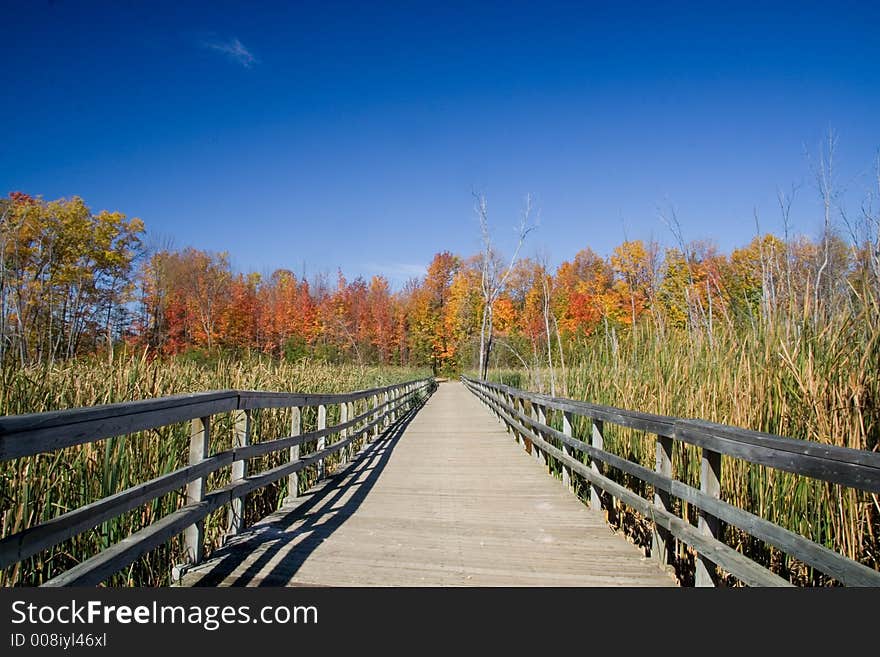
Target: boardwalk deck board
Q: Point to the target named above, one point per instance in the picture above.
(449, 499)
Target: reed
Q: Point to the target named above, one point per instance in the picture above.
(36, 489)
(783, 377)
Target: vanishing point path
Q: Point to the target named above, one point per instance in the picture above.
(447, 499)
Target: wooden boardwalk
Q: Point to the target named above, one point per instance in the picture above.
(447, 499)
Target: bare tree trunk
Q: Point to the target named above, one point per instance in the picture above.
(561, 358)
(825, 179)
(483, 325)
(549, 337)
(486, 340)
(492, 284)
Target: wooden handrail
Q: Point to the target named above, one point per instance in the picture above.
(849, 467)
(28, 435)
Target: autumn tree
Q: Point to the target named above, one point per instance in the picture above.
(430, 338)
(65, 276)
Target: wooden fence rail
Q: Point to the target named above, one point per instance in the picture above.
(28, 435)
(849, 467)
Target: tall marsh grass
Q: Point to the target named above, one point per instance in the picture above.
(781, 377)
(36, 489)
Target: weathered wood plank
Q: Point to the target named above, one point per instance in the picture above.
(98, 568)
(567, 430)
(241, 438)
(295, 430)
(261, 399)
(34, 539)
(840, 465)
(710, 485)
(847, 571)
(449, 501)
(95, 570)
(597, 441)
(843, 465)
(29, 542)
(24, 435)
(735, 563)
(649, 422)
(35, 433)
(661, 548)
(199, 446)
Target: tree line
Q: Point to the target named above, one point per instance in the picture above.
(74, 282)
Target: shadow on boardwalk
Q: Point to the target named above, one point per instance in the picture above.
(312, 519)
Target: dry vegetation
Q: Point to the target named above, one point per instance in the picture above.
(783, 377)
(38, 488)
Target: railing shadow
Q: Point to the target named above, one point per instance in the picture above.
(317, 512)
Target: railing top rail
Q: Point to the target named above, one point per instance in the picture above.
(34, 433)
(855, 468)
(659, 424)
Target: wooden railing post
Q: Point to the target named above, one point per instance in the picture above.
(199, 444)
(661, 542)
(539, 415)
(394, 398)
(710, 483)
(352, 413)
(322, 441)
(241, 438)
(598, 441)
(375, 417)
(343, 433)
(293, 477)
(387, 420)
(566, 471)
(519, 406)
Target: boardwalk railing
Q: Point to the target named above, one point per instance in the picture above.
(28, 435)
(528, 416)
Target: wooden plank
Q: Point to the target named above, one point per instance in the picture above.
(199, 444)
(343, 419)
(25, 435)
(19, 429)
(598, 442)
(98, 568)
(322, 441)
(422, 508)
(567, 431)
(266, 477)
(241, 438)
(849, 467)
(375, 417)
(661, 540)
(95, 570)
(295, 430)
(717, 552)
(35, 433)
(277, 444)
(262, 399)
(649, 422)
(710, 485)
(847, 571)
(31, 541)
(539, 417)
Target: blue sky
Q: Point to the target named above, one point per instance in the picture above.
(322, 135)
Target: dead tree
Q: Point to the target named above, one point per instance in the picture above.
(493, 277)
